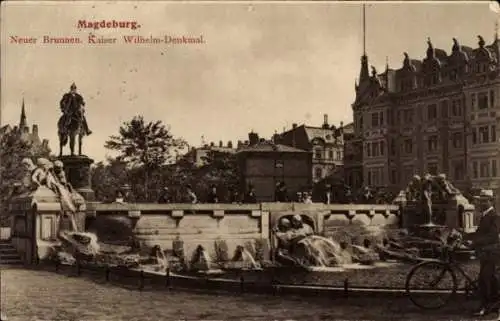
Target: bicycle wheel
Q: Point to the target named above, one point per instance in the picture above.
(422, 284)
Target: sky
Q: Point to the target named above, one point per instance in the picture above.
(262, 67)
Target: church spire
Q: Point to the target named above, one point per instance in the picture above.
(22, 122)
(363, 74)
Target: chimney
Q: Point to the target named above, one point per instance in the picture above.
(253, 138)
(246, 142)
(240, 143)
(35, 130)
(230, 144)
(26, 129)
(325, 121)
(294, 125)
(220, 143)
(212, 144)
(45, 143)
(262, 140)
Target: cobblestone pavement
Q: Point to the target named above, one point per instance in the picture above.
(43, 295)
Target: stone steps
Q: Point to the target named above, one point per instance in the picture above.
(8, 254)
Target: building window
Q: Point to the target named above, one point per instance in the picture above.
(474, 169)
(431, 112)
(375, 177)
(368, 150)
(432, 168)
(453, 74)
(494, 168)
(375, 149)
(484, 135)
(361, 123)
(473, 101)
(382, 148)
(432, 143)
(393, 147)
(444, 108)
(493, 133)
(456, 108)
(482, 100)
(375, 120)
(457, 140)
(484, 169)
(408, 116)
(394, 176)
(390, 117)
(339, 155)
(408, 146)
(492, 99)
(474, 136)
(458, 171)
(381, 118)
(330, 154)
(318, 173)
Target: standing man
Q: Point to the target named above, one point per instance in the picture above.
(486, 242)
(250, 196)
(212, 195)
(191, 196)
(71, 103)
(165, 196)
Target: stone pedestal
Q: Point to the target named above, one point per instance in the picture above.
(78, 173)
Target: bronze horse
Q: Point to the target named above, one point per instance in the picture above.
(69, 127)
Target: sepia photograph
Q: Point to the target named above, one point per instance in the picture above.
(249, 160)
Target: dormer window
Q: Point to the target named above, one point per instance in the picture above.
(453, 74)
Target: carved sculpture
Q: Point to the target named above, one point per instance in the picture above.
(414, 188)
(73, 122)
(51, 175)
(481, 41)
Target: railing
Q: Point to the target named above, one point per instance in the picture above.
(147, 280)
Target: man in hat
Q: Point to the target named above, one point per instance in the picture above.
(487, 244)
(212, 195)
(165, 196)
(71, 103)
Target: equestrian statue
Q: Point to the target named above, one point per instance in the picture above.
(72, 123)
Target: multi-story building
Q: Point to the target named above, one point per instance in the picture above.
(264, 164)
(199, 155)
(436, 115)
(326, 144)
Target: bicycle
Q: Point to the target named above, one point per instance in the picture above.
(446, 266)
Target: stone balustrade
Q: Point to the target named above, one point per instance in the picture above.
(232, 224)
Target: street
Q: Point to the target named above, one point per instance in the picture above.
(42, 295)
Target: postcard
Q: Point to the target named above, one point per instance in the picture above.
(249, 160)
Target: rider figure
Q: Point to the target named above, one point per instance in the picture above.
(71, 103)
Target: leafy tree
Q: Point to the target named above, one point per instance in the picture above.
(108, 178)
(222, 170)
(145, 148)
(13, 148)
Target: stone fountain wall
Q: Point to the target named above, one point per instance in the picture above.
(249, 225)
(193, 225)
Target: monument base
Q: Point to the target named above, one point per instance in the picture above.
(78, 174)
